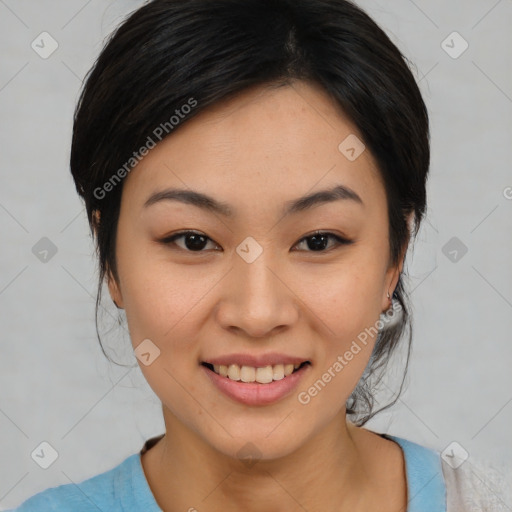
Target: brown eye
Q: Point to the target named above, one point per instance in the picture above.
(192, 241)
(318, 241)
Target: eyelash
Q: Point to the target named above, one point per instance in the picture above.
(339, 240)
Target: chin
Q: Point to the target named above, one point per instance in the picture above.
(263, 443)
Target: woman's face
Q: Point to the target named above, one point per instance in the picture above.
(252, 284)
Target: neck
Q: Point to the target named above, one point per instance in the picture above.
(325, 473)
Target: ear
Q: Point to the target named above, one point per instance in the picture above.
(113, 286)
(393, 273)
(114, 290)
(96, 214)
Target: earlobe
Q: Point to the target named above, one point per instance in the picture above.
(388, 298)
(96, 221)
(410, 221)
(115, 293)
(398, 270)
(113, 287)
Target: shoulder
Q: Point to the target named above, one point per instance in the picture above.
(425, 483)
(471, 485)
(96, 493)
(477, 486)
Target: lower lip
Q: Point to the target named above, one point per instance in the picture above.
(253, 393)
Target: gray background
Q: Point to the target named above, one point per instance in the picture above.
(56, 386)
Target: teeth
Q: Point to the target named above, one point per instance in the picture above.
(263, 375)
(278, 372)
(234, 372)
(247, 374)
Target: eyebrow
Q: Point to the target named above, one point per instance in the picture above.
(207, 203)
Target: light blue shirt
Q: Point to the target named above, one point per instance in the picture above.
(124, 488)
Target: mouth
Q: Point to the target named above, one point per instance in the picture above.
(256, 385)
(258, 375)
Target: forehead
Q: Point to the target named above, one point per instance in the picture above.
(262, 145)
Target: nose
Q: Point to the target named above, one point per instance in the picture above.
(256, 298)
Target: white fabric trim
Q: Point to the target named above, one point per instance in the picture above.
(476, 486)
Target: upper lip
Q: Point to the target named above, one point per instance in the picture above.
(256, 361)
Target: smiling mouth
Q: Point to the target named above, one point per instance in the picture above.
(261, 375)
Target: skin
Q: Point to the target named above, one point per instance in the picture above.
(255, 152)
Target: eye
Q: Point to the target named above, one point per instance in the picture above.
(318, 241)
(193, 241)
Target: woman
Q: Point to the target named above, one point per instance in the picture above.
(253, 171)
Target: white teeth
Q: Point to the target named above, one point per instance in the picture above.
(288, 369)
(278, 372)
(234, 372)
(263, 375)
(247, 374)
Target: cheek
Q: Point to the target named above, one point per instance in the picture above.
(164, 304)
(345, 298)
(346, 310)
(345, 344)
(162, 300)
